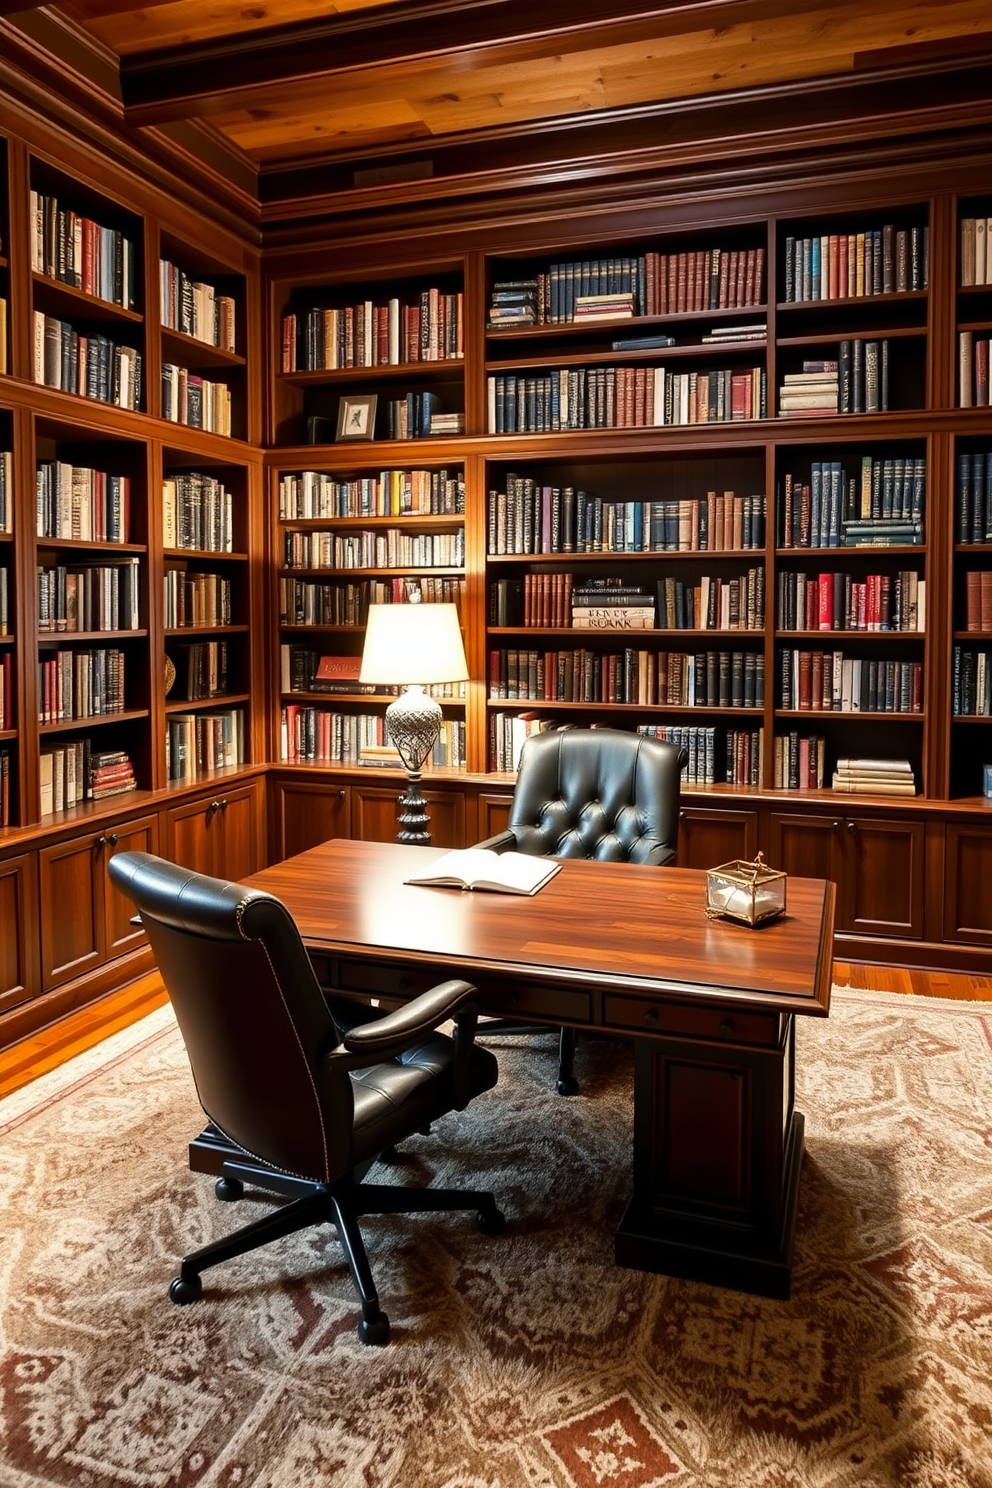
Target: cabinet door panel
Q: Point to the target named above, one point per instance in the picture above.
(968, 869)
(882, 877)
(192, 828)
(494, 814)
(708, 837)
(308, 814)
(375, 809)
(805, 846)
(236, 833)
(136, 836)
(71, 909)
(18, 935)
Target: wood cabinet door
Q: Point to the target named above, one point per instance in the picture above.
(968, 876)
(237, 832)
(18, 932)
(494, 814)
(882, 877)
(191, 830)
(72, 931)
(140, 835)
(374, 812)
(306, 814)
(708, 837)
(805, 846)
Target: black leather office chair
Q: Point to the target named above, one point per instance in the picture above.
(592, 793)
(304, 1108)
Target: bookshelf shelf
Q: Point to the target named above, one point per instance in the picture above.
(55, 297)
(193, 352)
(95, 720)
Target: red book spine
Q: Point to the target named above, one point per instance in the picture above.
(825, 619)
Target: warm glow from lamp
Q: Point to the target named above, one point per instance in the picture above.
(413, 646)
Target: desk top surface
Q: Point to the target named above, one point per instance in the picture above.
(643, 929)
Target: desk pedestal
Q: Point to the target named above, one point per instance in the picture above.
(717, 1151)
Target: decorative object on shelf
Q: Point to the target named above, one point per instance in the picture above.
(170, 675)
(410, 646)
(749, 892)
(987, 782)
(356, 417)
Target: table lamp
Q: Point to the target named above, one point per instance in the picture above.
(413, 645)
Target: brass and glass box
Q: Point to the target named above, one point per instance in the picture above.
(750, 892)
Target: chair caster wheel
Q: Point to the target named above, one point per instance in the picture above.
(374, 1330)
(491, 1221)
(567, 1086)
(185, 1289)
(228, 1190)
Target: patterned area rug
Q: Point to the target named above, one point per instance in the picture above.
(525, 1361)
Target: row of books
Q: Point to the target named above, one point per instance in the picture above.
(653, 283)
(313, 494)
(6, 690)
(611, 604)
(880, 777)
(302, 669)
(976, 251)
(829, 681)
(621, 398)
(201, 669)
(971, 683)
(973, 370)
(71, 772)
(6, 812)
(303, 603)
(193, 598)
(328, 338)
(197, 513)
(838, 266)
(508, 732)
(96, 597)
(973, 496)
(194, 308)
(421, 416)
(838, 601)
(80, 684)
(6, 491)
(90, 365)
(76, 503)
(715, 679)
(198, 742)
(528, 519)
(857, 381)
(545, 601)
(388, 548)
(3, 336)
(798, 761)
(75, 250)
(5, 597)
(832, 504)
(978, 600)
(741, 755)
(195, 401)
(311, 735)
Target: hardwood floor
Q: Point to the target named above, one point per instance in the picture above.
(51, 1047)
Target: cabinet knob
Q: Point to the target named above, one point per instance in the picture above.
(726, 1029)
(223, 804)
(835, 826)
(100, 844)
(113, 839)
(214, 806)
(852, 827)
(681, 816)
(651, 1017)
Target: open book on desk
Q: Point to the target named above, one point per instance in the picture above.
(481, 868)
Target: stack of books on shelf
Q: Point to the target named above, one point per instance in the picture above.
(829, 681)
(513, 302)
(612, 604)
(96, 597)
(195, 308)
(811, 393)
(90, 365)
(318, 736)
(329, 338)
(193, 599)
(195, 401)
(72, 772)
(875, 777)
(508, 732)
(197, 513)
(976, 251)
(838, 601)
(799, 761)
(971, 686)
(383, 548)
(973, 496)
(6, 490)
(196, 742)
(973, 370)
(391, 493)
(837, 266)
(420, 416)
(755, 330)
(80, 684)
(978, 600)
(864, 376)
(77, 503)
(77, 251)
(303, 670)
(715, 603)
(201, 669)
(604, 306)
(109, 773)
(622, 398)
(882, 505)
(743, 751)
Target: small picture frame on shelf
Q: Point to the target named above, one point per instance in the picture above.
(356, 417)
(987, 782)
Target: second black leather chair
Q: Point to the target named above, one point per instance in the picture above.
(592, 793)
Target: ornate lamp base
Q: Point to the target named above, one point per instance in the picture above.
(414, 723)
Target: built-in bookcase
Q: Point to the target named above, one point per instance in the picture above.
(5, 361)
(202, 315)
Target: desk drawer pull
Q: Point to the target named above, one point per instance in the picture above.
(726, 1029)
(651, 1017)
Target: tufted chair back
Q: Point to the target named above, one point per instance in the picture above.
(598, 793)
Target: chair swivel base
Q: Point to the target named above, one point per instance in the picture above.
(566, 1083)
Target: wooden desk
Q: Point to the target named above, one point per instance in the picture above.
(626, 950)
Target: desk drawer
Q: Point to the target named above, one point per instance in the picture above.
(398, 980)
(723, 1025)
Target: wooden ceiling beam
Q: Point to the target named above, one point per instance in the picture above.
(216, 76)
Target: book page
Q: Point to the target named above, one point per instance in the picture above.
(481, 868)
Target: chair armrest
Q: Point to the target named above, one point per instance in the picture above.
(502, 842)
(397, 1030)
